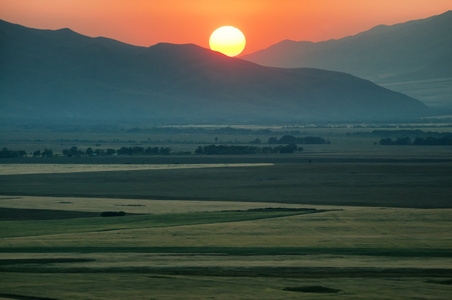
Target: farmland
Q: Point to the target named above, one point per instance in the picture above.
(346, 220)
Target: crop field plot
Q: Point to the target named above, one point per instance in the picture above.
(132, 206)
(221, 251)
(148, 286)
(399, 184)
(17, 169)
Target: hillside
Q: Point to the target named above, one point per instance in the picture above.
(413, 57)
(62, 76)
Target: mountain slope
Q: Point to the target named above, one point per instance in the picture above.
(415, 50)
(62, 75)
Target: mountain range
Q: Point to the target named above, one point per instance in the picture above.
(63, 76)
(410, 57)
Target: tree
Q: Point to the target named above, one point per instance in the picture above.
(89, 151)
(5, 153)
(47, 153)
(273, 140)
(291, 148)
(149, 150)
(199, 150)
(21, 153)
(164, 151)
(315, 140)
(74, 151)
(110, 151)
(288, 139)
(386, 141)
(403, 141)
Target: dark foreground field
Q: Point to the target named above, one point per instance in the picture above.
(410, 184)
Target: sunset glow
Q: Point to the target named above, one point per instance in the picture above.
(265, 22)
(227, 40)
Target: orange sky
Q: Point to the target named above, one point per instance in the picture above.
(264, 22)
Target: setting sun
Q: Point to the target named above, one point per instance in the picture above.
(227, 40)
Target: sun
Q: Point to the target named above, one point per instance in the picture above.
(227, 40)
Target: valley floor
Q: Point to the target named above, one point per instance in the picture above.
(350, 220)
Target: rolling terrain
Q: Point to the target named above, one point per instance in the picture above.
(65, 77)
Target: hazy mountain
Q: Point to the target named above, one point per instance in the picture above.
(413, 57)
(413, 50)
(62, 75)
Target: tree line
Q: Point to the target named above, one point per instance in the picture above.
(5, 153)
(76, 152)
(233, 149)
(290, 139)
(410, 133)
(427, 141)
(287, 144)
(135, 150)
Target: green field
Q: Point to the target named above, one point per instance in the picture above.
(238, 254)
(359, 221)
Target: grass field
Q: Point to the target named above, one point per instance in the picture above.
(360, 221)
(145, 286)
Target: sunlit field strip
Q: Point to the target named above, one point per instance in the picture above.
(136, 206)
(16, 169)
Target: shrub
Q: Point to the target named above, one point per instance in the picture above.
(113, 214)
(311, 289)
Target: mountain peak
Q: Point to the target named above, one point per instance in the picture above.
(65, 30)
(178, 47)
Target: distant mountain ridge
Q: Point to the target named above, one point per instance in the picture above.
(64, 76)
(419, 49)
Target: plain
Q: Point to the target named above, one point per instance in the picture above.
(347, 220)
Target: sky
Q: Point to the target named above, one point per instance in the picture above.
(264, 22)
